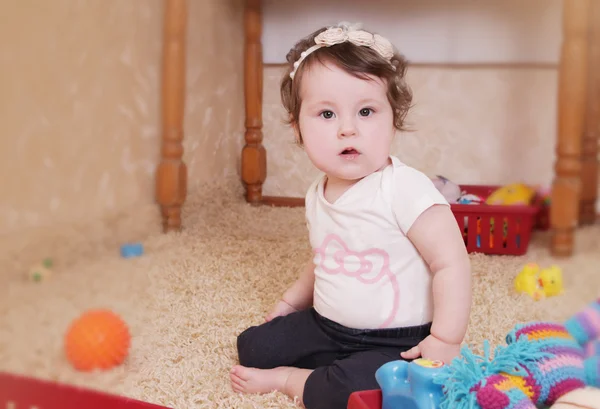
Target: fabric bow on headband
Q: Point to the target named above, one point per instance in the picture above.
(342, 33)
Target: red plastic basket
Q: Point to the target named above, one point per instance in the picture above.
(17, 392)
(371, 399)
(496, 229)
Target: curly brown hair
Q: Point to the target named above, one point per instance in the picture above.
(359, 61)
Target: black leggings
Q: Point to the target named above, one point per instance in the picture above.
(344, 359)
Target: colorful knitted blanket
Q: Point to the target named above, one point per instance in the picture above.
(540, 362)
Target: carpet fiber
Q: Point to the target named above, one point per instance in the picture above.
(191, 292)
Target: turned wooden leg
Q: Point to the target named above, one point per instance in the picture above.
(571, 114)
(254, 155)
(171, 178)
(591, 136)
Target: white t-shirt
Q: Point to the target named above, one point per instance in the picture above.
(368, 274)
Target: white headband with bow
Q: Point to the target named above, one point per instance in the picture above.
(342, 33)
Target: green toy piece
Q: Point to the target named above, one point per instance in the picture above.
(41, 271)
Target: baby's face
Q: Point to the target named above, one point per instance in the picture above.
(346, 122)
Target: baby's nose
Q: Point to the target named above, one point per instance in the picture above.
(347, 129)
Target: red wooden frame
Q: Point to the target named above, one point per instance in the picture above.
(29, 393)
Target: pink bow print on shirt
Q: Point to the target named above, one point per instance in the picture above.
(366, 273)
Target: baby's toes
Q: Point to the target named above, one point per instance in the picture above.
(237, 383)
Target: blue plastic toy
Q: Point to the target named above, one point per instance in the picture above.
(132, 250)
(410, 385)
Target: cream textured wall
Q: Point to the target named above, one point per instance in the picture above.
(80, 113)
(483, 73)
(473, 125)
(428, 31)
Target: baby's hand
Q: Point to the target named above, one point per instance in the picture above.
(281, 309)
(433, 349)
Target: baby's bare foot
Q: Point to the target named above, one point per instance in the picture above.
(252, 380)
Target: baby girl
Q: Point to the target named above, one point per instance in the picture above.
(389, 277)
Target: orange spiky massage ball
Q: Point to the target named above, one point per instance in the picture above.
(98, 339)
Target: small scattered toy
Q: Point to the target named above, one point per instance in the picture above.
(551, 281)
(98, 339)
(130, 250)
(450, 190)
(41, 271)
(539, 283)
(512, 194)
(527, 281)
(469, 198)
(410, 385)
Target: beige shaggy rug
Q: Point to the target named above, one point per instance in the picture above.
(192, 292)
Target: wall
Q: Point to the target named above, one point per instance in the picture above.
(80, 106)
(484, 77)
(428, 31)
(80, 109)
(472, 125)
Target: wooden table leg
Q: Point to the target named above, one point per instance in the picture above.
(571, 105)
(254, 155)
(171, 177)
(591, 136)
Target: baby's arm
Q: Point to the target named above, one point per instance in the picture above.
(299, 296)
(437, 237)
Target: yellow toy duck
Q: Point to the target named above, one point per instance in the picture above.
(551, 281)
(539, 283)
(527, 281)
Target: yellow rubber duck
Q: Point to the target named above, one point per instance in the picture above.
(551, 281)
(539, 283)
(527, 281)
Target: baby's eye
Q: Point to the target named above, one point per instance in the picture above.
(327, 114)
(366, 112)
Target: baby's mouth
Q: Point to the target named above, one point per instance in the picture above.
(349, 151)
